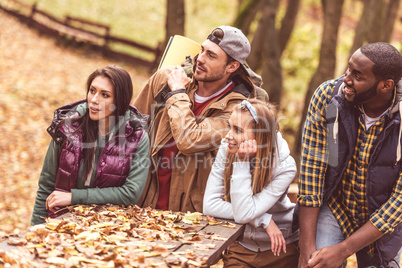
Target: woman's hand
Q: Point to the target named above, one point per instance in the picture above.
(277, 240)
(247, 150)
(58, 198)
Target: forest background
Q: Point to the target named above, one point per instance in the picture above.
(296, 45)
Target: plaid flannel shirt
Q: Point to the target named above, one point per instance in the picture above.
(349, 201)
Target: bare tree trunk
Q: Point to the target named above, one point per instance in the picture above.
(287, 23)
(383, 23)
(363, 26)
(377, 25)
(239, 3)
(327, 63)
(390, 19)
(254, 60)
(268, 44)
(272, 69)
(247, 12)
(175, 19)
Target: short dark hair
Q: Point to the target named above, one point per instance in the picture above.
(123, 86)
(386, 58)
(218, 33)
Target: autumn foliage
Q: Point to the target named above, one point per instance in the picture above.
(113, 236)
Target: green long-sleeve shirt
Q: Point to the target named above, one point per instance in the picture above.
(129, 193)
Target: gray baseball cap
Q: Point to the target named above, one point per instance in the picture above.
(234, 43)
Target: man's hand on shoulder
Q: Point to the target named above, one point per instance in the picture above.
(178, 79)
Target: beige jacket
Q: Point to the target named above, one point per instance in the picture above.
(197, 140)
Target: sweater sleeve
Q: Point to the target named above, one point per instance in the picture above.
(130, 192)
(46, 183)
(263, 221)
(247, 207)
(214, 204)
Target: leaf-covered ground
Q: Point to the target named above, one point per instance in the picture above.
(36, 77)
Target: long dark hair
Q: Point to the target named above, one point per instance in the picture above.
(123, 92)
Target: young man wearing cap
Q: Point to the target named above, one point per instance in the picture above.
(189, 119)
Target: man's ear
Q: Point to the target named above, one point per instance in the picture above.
(387, 86)
(233, 66)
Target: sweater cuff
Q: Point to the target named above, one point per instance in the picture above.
(79, 196)
(262, 221)
(265, 220)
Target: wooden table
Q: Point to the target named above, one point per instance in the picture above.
(231, 234)
(202, 231)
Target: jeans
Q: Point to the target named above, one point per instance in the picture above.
(329, 233)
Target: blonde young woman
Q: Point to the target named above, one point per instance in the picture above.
(248, 183)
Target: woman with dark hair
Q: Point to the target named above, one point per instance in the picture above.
(99, 151)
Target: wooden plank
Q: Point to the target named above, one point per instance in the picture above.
(214, 254)
(59, 26)
(84, 21)
(131, 43)
(231, 234)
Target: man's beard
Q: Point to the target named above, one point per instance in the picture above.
(210, 77)
(366, 95)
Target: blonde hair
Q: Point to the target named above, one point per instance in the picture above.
(265, 127)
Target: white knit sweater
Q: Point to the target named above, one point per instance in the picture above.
(254, 210)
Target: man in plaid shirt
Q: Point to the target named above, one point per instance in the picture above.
(350, 185)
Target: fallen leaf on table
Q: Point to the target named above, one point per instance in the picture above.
(191, 217)
(195, 238)
(229, 224)
(56, 260)
(215, 237)
(199, 246)
(17, 242)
